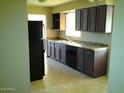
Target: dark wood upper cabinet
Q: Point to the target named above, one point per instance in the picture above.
(56, 21)
(78, 20)
(101, 18)
(95, 19)
(104, 18)
(59, 21)
(83, 17)
(92, 19)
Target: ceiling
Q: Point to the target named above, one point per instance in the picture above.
(48, 3)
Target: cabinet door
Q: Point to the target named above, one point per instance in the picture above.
(78, 19)
(62, 53)
(48, 48)
(92, 19)
(89, 62)
(101, 18)
(71, 56)
(80, 59)
(52, 49)
(56, 54)
(56, 21)
(84, 19)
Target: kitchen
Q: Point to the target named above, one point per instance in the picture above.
(59, 39)
(17, 54)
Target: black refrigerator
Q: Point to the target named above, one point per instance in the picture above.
(36, 50)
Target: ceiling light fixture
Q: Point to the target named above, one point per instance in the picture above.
(91, 0)
(41, 0)
(94, 0)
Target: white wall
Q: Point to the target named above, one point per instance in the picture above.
(116, 76)
(14, 55)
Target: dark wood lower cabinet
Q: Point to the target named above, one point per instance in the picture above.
(92, 62)
(50, 49)
(62, 53)
(71, 56)
(88, 61)
(80, 59)
(56, 51)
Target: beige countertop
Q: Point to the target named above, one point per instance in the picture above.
(86, 45)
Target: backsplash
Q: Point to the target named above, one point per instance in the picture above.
(90, 37)
(52, 34)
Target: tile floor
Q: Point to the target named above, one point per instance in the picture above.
(60, 78)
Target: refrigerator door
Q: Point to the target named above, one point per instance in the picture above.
(36, 51)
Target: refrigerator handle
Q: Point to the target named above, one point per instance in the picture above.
(44, 39)
(44, 44)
